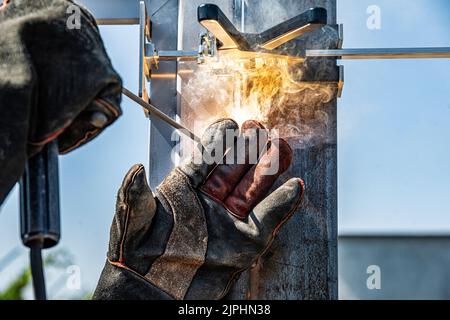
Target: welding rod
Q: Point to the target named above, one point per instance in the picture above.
(161, 115)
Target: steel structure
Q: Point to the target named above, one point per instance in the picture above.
(303, 262)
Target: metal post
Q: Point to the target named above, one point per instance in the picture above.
(302, 262)
(163, 15)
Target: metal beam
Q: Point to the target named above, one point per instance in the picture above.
(113, 12)
(382, 53)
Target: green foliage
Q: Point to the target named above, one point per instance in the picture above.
(87, 296)
(15, 289)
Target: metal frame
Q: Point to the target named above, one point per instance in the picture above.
(136, 12)
(120, 12)
(318, 163)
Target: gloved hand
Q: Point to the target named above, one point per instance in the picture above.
(55, 82)
(208, 222)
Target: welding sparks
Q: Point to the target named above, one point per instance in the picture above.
(241, 113)
(256, 89)
(267, 89)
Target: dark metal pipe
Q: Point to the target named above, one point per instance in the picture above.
(39, 210)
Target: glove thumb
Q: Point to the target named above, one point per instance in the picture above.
(135, 210)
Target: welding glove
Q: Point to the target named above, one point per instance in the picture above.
(56, 81)
(208, 222)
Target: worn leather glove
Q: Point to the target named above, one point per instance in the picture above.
(207, 223)
(55, 82)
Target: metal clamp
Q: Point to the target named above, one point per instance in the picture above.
(214, 20)
(206, 48)
(222, 35)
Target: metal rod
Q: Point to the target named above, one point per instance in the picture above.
(37, 270)
(118, 21)
(382, 53)
(161, 115)
(179, 55)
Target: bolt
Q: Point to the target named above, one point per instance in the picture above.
(98, 119)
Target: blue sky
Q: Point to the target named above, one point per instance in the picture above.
(394, 122)
(393, 131)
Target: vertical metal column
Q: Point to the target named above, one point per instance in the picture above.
(302, 262)
(164, 20)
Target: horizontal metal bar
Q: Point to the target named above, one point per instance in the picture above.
(177, 55)
(119, 11)
(383, 53)
(117, 21)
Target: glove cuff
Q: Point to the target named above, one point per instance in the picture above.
(119, 283)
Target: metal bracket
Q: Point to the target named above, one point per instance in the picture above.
(214, 20)
(341, 82)
(206, 48)
(144, 38)
(223, 36)
(340, 86)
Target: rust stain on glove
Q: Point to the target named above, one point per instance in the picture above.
(240, 186)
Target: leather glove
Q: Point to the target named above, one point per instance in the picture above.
(55, 82)
(209, 221)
